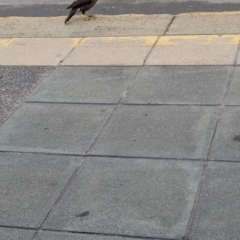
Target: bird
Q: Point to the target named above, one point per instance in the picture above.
(83, 6)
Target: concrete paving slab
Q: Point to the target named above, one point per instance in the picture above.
(103, 25)
(16, 83)
(15, 234)
(53, 128)
(227, 142)
(158, 131)
(70, 236)
(195, 50)
(233, 97)
(218, 212)
(85, 84)
(36, 51)
(30, 184)
(129, 197)
(179, 85)
(205, 23)
(100, 51)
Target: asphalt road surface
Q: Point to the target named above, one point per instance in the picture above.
(28, 8)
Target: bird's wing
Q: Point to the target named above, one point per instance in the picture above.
(79, 3)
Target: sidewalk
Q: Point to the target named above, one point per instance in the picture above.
(120, 133)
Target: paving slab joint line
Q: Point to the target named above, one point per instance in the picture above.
(119, 103)
(106, 235)
(224, 102)
(111, 156)
(173, 104)
(17, 227)
(154, 45)
(59, 197)
(70, 52)
(196, 200)
(224, 161)
(205, 168)
(70, 103)
(114, 110)
(169, 25)
(149, 53)
(82, 161)
(147, 158)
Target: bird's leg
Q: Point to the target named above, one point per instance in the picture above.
(92, 16)
(88, 17)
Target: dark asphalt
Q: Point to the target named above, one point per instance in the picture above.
(115, 8)
(16, 83)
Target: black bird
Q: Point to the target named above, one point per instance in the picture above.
(83, 6)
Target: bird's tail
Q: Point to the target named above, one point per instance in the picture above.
(73, 11)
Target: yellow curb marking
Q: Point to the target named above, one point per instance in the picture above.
(6, 42)
(199, 39)
(175, 40)
(96, 41)
(143, 40)
(75, 41)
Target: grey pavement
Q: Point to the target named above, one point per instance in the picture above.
(144, 198)
(133, 144)
(143, 159)
(235, 89)
(218, 210)
(96, 84)
(13, 234)
(46, 235)
(68, 129)
(29, 185)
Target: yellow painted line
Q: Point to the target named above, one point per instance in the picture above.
(6, 42)
(139, 40)
(75, 41)
(142, 40)
(200, 39)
